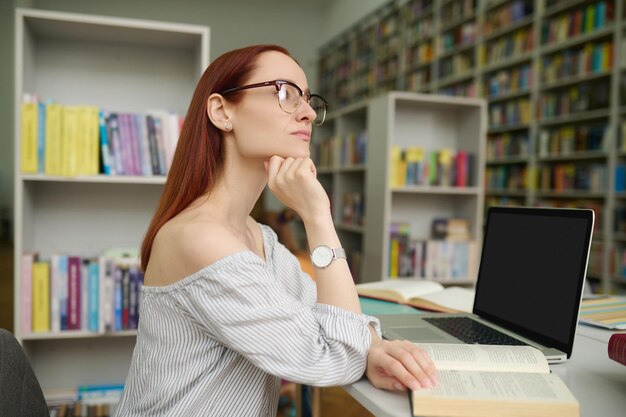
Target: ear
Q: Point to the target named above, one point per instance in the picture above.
(219, 112)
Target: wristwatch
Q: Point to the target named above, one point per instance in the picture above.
(322, 256)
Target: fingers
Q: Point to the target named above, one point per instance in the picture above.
(418, 365)
(403, 363)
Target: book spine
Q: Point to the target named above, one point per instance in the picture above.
(133, 308)
(53, 140)
(125, 297)
(152, 144)
(115, 144)
(105, 155)
(94, 295)
(617, 348)
(84, 294)
(29, 137)
(70, 145)
(73, 296)
(41, 137)
(55, 311)
(63, 291)
(41, 297)
(27, 292)
(117, 299)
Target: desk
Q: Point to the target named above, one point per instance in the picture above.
(597, 382)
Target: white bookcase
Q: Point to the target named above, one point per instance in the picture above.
(432, 122)
(118, 65)
(403, 119)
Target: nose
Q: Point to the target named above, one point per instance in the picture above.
(305, 111)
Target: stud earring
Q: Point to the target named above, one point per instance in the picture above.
(228, 127)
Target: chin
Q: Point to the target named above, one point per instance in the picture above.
(297, 154)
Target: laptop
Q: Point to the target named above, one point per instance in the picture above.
(529, 286)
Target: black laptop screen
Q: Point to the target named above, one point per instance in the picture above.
(532, 271)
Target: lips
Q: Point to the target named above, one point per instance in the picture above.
(302, 134)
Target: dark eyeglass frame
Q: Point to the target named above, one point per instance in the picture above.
(278, 84)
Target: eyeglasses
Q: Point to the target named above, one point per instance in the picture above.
(289, 95)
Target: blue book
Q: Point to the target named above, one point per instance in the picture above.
(620, 177)
(117, 299)
(94, 296)
(104, 144)
(63, 287)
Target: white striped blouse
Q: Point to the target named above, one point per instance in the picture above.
(217, 342)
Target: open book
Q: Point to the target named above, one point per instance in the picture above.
(492, 381)
(429, 295)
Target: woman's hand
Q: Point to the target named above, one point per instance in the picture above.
(398, 364)
(294, 182)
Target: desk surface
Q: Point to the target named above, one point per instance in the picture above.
(596, 381)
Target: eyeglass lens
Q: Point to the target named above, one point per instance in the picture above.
(289, 100)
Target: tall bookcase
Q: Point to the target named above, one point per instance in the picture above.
(116, 64)
(552, 72)
(399, 119)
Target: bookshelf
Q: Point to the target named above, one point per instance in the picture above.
(392, 120)
(116, 64)
(552, 72)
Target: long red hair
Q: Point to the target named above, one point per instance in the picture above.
(199, 153)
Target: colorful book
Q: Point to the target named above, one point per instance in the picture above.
(105, 156)
(607, 312)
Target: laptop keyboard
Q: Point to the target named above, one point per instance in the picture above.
(472, 332)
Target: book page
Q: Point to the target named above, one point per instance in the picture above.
(499, 386)
(451, 298)
(492, 358)
(405, 287)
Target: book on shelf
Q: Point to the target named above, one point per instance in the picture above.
(41, 297)
(28, 258)
(29, 136)
(617, 348)
(607, 312)
(489, 380)
(419, 293)
(446, 255)
(70, 292)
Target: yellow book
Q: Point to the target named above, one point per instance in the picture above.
(394, 257)
(28, 144)
(606, 56)
(492, 381)
(54, 151)
(69, 138)
(88, 140)
(41, 297)
(395, 166)
(590, 18)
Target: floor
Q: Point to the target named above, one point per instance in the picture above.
(6, 285)
(336, 402)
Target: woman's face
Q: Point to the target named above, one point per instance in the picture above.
(261, 128)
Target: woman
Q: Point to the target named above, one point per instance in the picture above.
(226, 311)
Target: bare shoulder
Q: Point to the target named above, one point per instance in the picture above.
(181, 248)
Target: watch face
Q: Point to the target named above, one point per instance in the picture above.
(322, 256)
